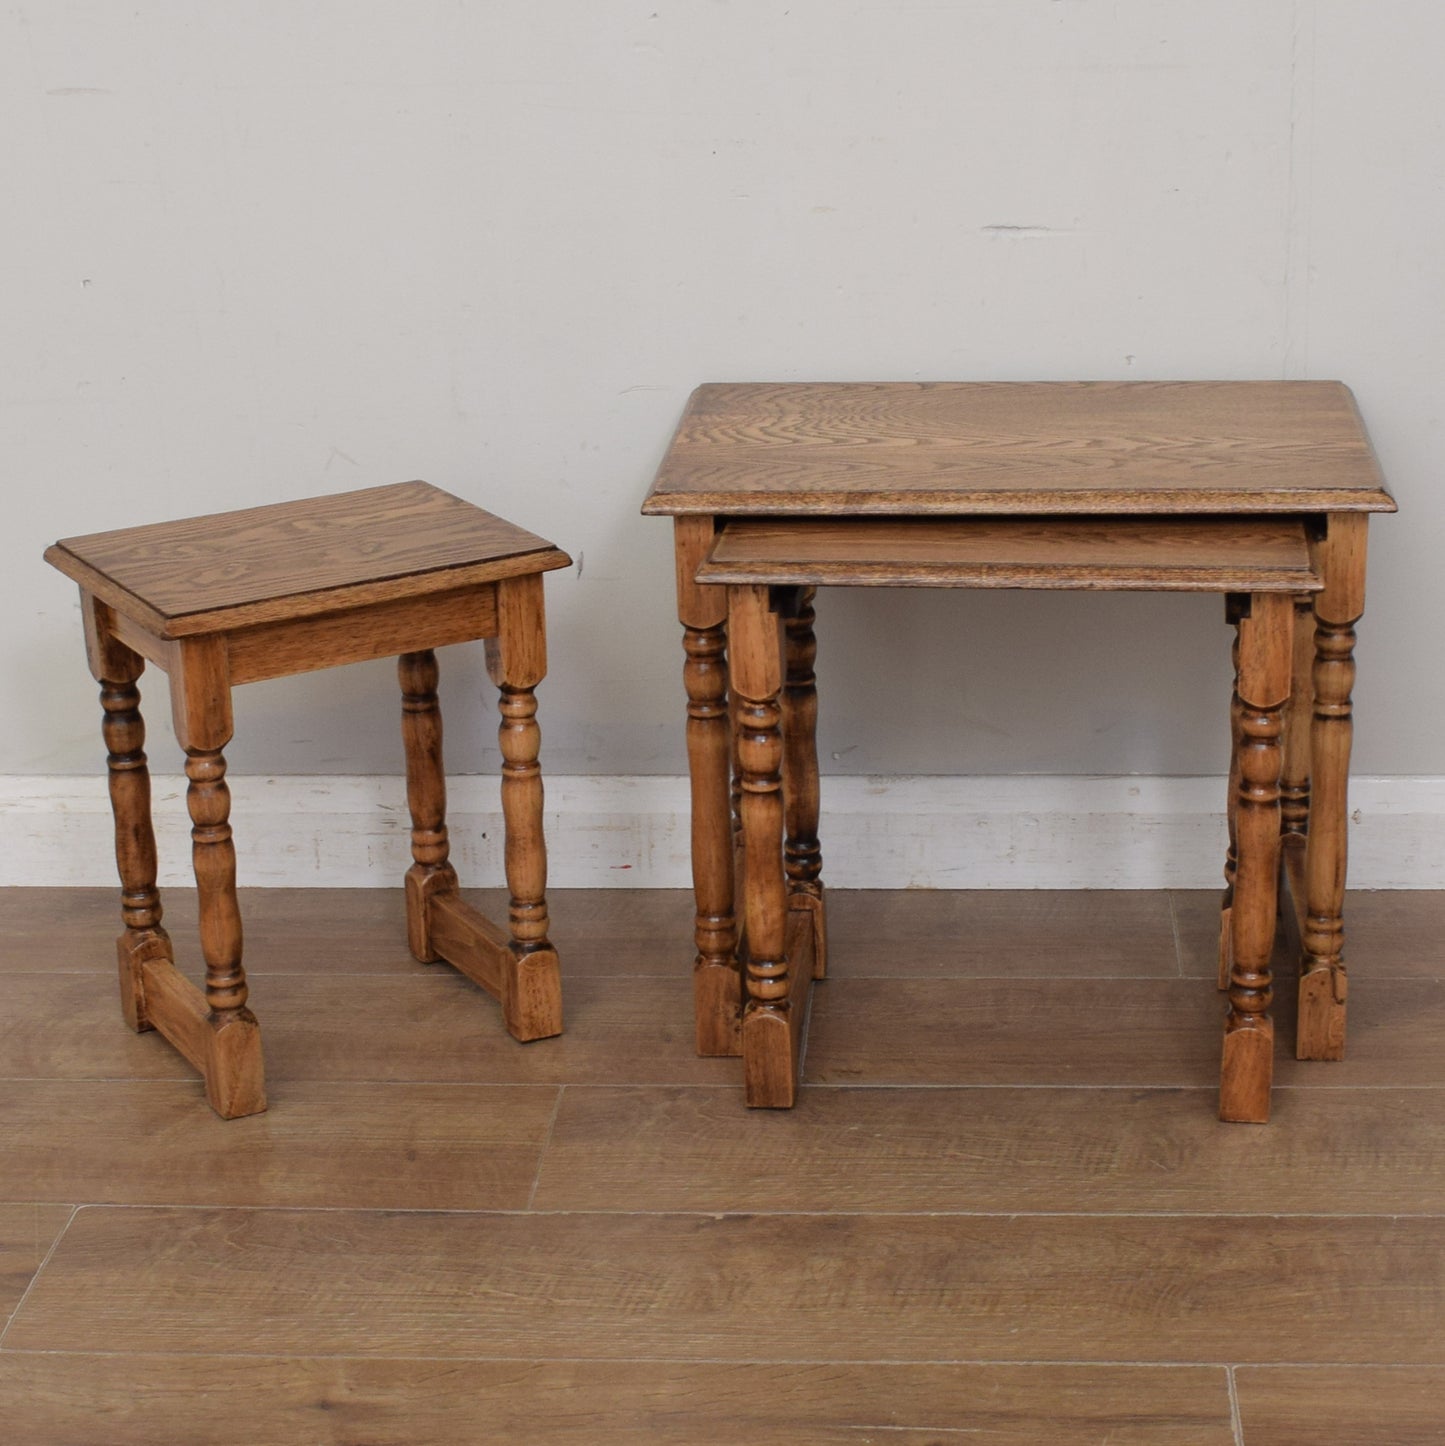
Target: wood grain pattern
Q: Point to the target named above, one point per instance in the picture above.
(968, 447)
(771, 1022)
(1207, 554)
(26, 1234)
(59, 1399)
(1026, 933)
(434, 1025)
(804, 1254)
(1363, 1405)
(1324, 985)
(378, 630)
(1266, 643)
(932, 1032)
(431, 872)
(1130, 1151)
(1172, 1289)
(969, 933)
(293, 559)
(406, 1147)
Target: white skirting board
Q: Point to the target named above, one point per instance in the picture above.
(941, 833)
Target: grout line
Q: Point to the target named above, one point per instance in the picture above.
(30, 1285)
(819, 1086)
(737, 1212)
(1235, 1418)
(1174, 929)
(1012, 1363)
(546, 1145)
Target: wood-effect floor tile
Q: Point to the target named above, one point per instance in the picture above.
(839, 1288)
(67, 1400)
(348, 931)
(1334, 1152)
(1389, 933)
(286, 930)
(26, 1234)
(1361, 1405)
(387, 1147)
(1141, 1032)
(431, 1025)
(969, 933)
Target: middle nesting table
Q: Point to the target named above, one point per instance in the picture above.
(771, 569)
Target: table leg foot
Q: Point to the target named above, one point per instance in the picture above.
(813, 906)
(532, 996)
(235, 1077)
(132, 955)
(1247, 1073)
(770, 1066)
(1321, 1029)
(717, 1008)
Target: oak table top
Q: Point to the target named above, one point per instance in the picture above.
(299, 559)
(960, 448)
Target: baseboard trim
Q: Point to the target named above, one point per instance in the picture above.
(946, 833)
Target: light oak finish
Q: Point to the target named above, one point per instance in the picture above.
(1203, 554)
(1340, 555)
(1266, 642)
(591, 1403)
(703, 613)
(1259, 491)
(291, 560)
(951, 448)
(777, 983)
(270, 591)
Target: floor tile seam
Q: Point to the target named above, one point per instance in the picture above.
(1223, 1364)
(545, 1147)
(736, 1213)
(1174, 931)
(1135, 1086)
(39, 1270)
(193, 1082)
(1236, 1421)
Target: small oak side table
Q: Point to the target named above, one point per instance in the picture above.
(269, 591)
(1257, 490)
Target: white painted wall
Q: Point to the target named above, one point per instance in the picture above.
(254, 252)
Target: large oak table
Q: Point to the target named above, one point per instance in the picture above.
(1258, 490)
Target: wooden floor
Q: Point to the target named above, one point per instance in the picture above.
(1003, 1211)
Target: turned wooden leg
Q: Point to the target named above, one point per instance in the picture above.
(802, 854)
(772, 1013)
(517, 662)
(736, 797)
(201, 704)
(1231, 861)
(117, 668)
(1264, 682)
(426, 797)
(1294, 783)
(1340, 560)
(717, 997)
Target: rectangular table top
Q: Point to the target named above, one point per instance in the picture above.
(298, 559)
(806, 448)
